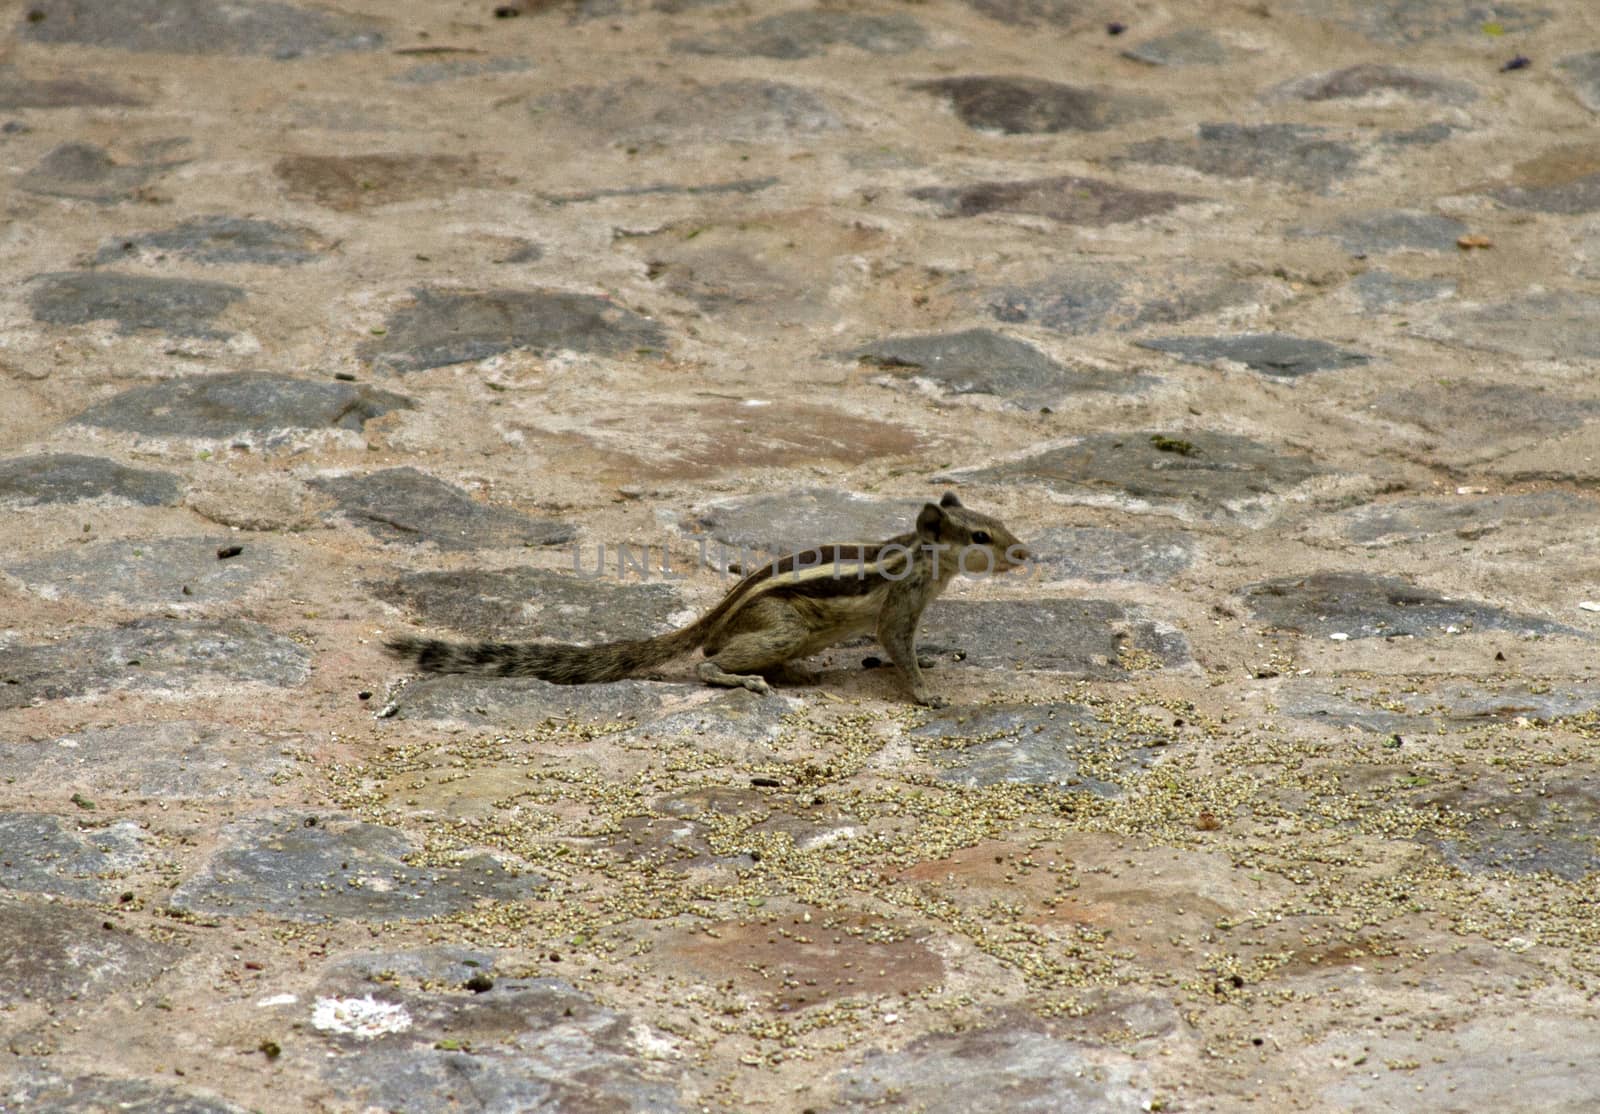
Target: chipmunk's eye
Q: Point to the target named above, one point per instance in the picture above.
(981, 537)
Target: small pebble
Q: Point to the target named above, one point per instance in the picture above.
(226, 551)
(1520, 62)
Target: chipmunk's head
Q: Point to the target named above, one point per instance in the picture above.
(980, 544)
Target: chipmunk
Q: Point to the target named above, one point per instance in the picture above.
(787, 609)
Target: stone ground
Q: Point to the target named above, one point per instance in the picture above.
(1271, 325)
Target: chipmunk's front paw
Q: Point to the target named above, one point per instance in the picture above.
(757, 685)
(929, 700)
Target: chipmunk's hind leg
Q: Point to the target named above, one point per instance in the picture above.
(763, 642)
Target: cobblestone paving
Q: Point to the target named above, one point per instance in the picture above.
(1273, 326)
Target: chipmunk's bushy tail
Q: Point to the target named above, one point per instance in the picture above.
(557, 662)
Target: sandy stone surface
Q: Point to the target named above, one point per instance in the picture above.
(1274, 327)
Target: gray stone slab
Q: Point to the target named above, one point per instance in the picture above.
(640, 111)
(1187, 46)
(1083, 638)
(1204, 471)
(1057, 745)
(47, 854)
(1369, 78)
(189, 656)
(77, 91)
(527, 702)
(1098, 554)
(74, 478)
(1549, 325)
(1448, 708)
(1547, 828)
(984, 362)
(1362, 606)
(1573, 197)
(732, 185)
(1299, 155)
(1383, 290)
(450, 327)
(534, 603)
(1017, 1067)
(180, 760)
(457, 69)
(96, 1094)
(805, 34)
(161, 572)
(1035, 13)
(444, 965)
(53, 952)
(536, 1044)
(176, 307)
(1583, 72)
(1276, 354)
(230, 404)
(85, 172)
(220, 239)
(1405, 520)
(265, 27)
(1485, 413)
(1407, 22)
(1033, 106)
(1080, 300)
(300, 867)
(1383, 230)
(1068, 199)
(407, 506)
(776, 525)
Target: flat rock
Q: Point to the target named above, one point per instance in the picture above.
(536, 1044)
(1202, 471)
(181, 760)
(1583, 72)
(528, 702)
(319, 868)
(804, 34)
(1384, 290)
(160, 655)
(74, 478)
(53, 952)
(84, 91)
(1484, 413)
(1548, 325)
(231, 404)
(1033, 13)
(1033, 106)
(54, 855)
(1384, 230)
(456, 69)
(91, 1094)
(1095, 639)
(220, 239)
(1096, 553)
(174, 306)
(1299, 155)
(1407, 22)
(161, 572)
(984, 362)
(410, 507)
(1187, 46)
(1362, 606)
(1057, 745)
(775, 525)
(85, 172)
(1547, 828)
(444, 327)
(1407, 520)
(1565, 180)
(1082, 299)
(1376, 79)
(1277, 354)
(1019, 1067)
(1450, 707)
(443, 965)
(265, 27)
(639, 111)
(534, 603)
(1068, 199)
(346, 183)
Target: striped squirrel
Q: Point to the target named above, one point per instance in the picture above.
(787, 609)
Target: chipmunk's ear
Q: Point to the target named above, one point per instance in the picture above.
(930, 522)
(949, 500)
